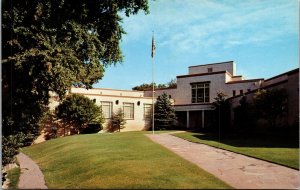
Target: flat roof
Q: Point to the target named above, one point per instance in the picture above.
(282, 74)
(202, 74)
(212, 64)
(108, 89)
(107, 95)
(241, 81)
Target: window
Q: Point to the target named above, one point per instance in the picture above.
(200, 92)
(241, 92)
(209, 70)
(106, 109)
(128, 109)
(147, 111)
(233, 93)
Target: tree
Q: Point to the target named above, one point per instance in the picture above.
(79, 111)
(164, 113)
(172, 83)
(51, 45)
(117, 121)
(221, 112)
(244, 115)
(271, 104)
(145, 86)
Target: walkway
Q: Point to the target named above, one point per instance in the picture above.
(239, 171)
(31, 175)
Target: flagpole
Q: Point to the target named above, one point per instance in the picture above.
(153, 48)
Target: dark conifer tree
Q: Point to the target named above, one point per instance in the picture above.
(164, 113)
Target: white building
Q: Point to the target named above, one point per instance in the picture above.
(193, 96)
(196, 91)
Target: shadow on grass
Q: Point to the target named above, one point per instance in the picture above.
(250, 141)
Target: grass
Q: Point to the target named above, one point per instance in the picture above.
(281, 151)
(121, 160)
(13, 175)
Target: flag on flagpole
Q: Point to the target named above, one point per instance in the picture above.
(153, 47)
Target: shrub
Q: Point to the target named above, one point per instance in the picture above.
(79, 111)
(10, 146)
(91, 128)
(271, 104)
(116, 122)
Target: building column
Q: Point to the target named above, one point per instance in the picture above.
(202, 118)
(187, 119)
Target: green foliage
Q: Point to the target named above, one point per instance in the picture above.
(59, 43)
(164, 113)
(10, 146)
(92, 128)
(271, 104)
(143, 87)
(221, 113)
(245, 115)
(172, 83)
(79, 111)
(14, 175)
(117, 121)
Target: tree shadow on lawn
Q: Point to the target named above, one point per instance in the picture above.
(250, 141)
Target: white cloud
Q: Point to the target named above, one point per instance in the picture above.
(203, 25)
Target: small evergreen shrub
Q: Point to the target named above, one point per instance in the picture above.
(117, 122)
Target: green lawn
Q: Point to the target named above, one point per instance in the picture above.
(120, 160)
(281, 151)
(13, 175)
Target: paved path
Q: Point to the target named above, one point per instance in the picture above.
(31, 175)
(239, 171)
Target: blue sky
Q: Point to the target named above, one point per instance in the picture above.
(261, 36)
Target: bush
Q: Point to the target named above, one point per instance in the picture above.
(91, 128)
(116, 122)
(10, 146)
(271, 104)
(79, 111)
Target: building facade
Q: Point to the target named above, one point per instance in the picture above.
(135, 106)
(193, 97)
(288, 81)
(195, 92)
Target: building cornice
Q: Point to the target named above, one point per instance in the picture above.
(255, 90)
(116, 96)
(242, 81)
(212, 64)
(108, 89)
(286, 73)
(202, 74)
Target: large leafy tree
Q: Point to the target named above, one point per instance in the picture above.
(49, 45)
(164, 113)
(79, 111)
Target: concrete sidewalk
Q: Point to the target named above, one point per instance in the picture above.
(31, 175)
(237, 170)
